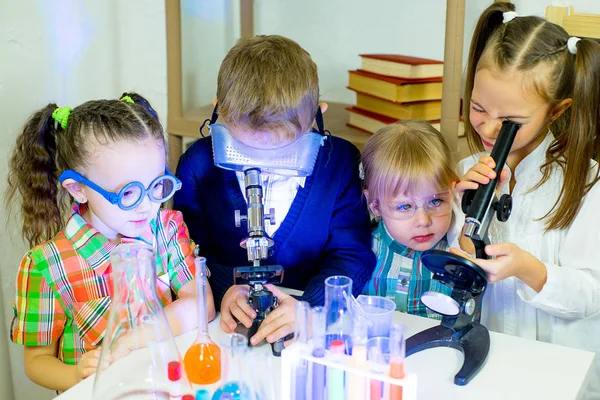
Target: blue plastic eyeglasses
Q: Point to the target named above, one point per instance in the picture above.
(131, 195)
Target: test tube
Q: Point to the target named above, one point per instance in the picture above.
(301, 335)
(358, 384)
(397, 353)
(318, 340)
(202, 394)
(335, 376)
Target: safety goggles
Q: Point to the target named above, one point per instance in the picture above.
(436, 205)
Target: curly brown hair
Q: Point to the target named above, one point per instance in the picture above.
(44, 149)
(538, 49)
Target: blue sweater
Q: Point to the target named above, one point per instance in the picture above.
(326, 231)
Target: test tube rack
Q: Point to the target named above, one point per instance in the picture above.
(298, 354)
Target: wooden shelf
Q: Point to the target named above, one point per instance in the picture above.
(182, 123)
(335, 121)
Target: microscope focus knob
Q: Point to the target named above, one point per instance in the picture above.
(271, 216)
(503, 207)
(239, 218)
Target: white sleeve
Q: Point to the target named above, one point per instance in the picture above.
(572, 289)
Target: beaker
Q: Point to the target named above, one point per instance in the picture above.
(138, 354)
(237, 385)
(203, 359)
(379, 311)
(338, 311)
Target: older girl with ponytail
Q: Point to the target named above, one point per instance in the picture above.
(545, 269)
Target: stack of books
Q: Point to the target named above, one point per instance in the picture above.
(393, 87)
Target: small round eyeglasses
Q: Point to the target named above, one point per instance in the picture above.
(132, 194)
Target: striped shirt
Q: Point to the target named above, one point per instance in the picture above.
(400, 276)
(64, 286)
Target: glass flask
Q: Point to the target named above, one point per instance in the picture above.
(139, 358)
(338, 311)
(261, 378)
(203, 359)
(236, 384)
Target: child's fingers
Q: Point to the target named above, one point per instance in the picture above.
(87, 372)
(503, 176)
(500, 249)
(262, 332)
(282, 332)
(227, 325)
(239, 314)
(481, 173)
(276, 313)
(242, 303)
(93, 362)
(276, 291)
(269, 331)
(488, 160)
(463, 186)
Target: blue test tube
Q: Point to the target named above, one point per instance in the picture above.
(318, 339)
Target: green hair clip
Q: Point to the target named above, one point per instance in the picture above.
(127, 99)
(61, 116)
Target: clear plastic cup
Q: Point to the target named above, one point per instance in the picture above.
(378, 310)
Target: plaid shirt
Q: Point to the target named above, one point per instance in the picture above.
(400, 276)
(64, 286)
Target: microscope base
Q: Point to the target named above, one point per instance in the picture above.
(473, 341)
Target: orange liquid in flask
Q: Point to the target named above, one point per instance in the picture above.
(202, 363)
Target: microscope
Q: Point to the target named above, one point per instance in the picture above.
(257, 245)
(295, 159)
(467, 280)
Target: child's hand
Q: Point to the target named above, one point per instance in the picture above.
(280, 322)
(510, 260)
(235, 305)
(480, 173)
(88, 364)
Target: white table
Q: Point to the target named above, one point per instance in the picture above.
(515, 369)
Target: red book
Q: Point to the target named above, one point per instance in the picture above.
(402, 66)
(371, 122)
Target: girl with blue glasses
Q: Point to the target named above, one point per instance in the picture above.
(109, 156)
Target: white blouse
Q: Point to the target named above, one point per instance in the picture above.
(566, 310)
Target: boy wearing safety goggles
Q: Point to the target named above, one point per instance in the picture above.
(267, 99)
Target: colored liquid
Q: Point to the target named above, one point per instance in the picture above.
(396, 371)
(347, 339)
(375, 390)
(202, 363)
(358, 384)
(233, 391)
(318, 376)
